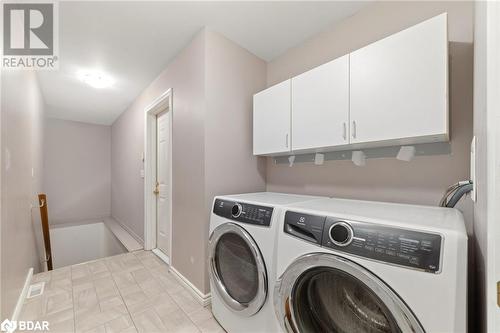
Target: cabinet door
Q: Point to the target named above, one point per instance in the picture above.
(399, 86)
(320, 106)
(271, 120)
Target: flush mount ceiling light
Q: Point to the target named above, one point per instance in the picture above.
(95, 79)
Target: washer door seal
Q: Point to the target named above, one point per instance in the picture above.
(237, 269)
(328, 293)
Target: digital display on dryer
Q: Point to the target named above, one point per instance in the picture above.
(409, 248)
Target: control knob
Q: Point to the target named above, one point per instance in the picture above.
(236, 210)
(341, 233)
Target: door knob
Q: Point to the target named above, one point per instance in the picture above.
(156, 190)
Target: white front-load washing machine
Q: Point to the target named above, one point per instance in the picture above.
(357, 266)
(241, 255)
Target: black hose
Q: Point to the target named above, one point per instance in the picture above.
(458, 195)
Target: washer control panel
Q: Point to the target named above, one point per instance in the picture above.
(243, 212)
(415, 249)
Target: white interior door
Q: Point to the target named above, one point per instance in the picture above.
(162, 182)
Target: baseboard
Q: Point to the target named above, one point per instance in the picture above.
(162, 256)
(130, 231)
(22, 296)
(127, 240)
(203, 299)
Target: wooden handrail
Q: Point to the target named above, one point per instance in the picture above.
(42, 200)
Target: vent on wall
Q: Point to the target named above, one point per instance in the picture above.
(35, 290)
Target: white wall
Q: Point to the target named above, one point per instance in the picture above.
(486, 130)
(480, 207)
(77, 170)
(494, 163)
(22, 109)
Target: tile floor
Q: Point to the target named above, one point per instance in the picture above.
(131, 292)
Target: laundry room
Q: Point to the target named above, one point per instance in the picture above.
(250, 166)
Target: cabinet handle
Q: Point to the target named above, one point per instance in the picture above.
(344, 133)
(286, 140)
(354, 129)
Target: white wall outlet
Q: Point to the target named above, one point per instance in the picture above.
(473, 149)
(142, 173)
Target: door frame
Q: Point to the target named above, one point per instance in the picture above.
(487, 158)
(493, 158)
(160, 104)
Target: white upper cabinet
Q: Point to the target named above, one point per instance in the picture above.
(320, 106)
(271, 120)
(399, 86)
(391, 92)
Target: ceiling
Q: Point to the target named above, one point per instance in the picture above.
(133, 42)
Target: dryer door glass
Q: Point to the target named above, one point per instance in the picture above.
(329, 300)
(322, 292)
(237, 271)
(237, 267)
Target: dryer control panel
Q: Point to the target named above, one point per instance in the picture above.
(415, 249)
(408, 248)
(243, 212)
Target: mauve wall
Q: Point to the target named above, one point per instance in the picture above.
(22, 111)
(186, 76)
(233, 75)
(424, 179)
(77, 170)
(213, 81)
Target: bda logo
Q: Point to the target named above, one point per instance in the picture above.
(29, 35)
(8, 326)
(23, 325)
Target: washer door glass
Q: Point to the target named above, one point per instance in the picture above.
(329, 300)
(237, 268)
